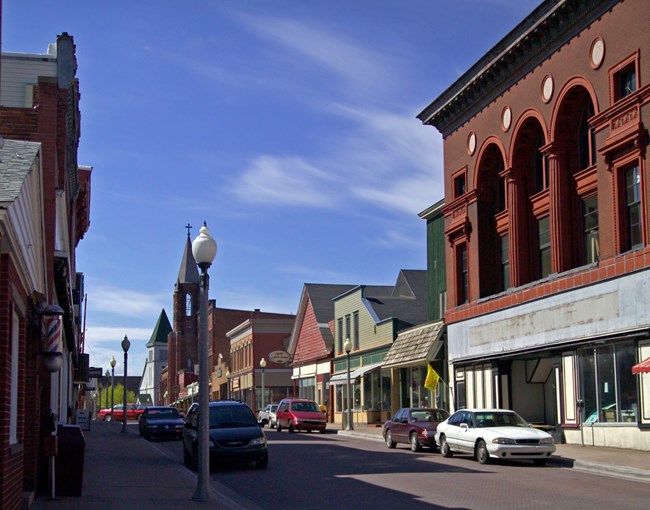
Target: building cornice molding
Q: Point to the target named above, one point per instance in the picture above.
(549, 27)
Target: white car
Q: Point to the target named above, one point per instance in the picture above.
(493, 434)
(267, 415)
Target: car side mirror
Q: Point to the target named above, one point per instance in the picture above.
(464, 426)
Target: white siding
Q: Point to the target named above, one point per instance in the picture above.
(18, 71)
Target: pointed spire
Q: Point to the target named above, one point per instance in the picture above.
(188, 272)
(160, 332)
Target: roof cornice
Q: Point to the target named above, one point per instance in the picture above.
(550, 26)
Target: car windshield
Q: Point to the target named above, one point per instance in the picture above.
(274, 408)
(499, 419)
(162, 414)
(222, 417)
(304, 406)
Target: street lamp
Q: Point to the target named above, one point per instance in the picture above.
(113, 363)
(263, 365)
(347, 346)
(125, 347)
(204, 249)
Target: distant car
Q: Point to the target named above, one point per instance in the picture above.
(493, 434)
(415, 426)
(267, 415)
(161, 421)
(299, 414)
(133, 412)
(235, 435)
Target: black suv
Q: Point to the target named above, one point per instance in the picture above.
(235, 435)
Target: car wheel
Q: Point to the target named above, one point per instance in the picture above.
(322, 431)
(290, 428)
(389, 440)
(482, 454)
(278, 427)
(540, 462)
(262, 463)
(445, 451)
(413, 440)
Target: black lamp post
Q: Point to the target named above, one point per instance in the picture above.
(113, 363)
(204, 249)
(263, 365)
(347, 346)
(125, 347)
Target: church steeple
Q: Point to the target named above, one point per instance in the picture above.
(188, 272)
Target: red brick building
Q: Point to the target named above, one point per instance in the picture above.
(43, 216)
(180, 378)
(547, 222)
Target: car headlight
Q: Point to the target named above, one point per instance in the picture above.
(259, 441)
(546, 440)
(503, 440)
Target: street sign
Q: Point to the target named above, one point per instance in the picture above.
(279, 357)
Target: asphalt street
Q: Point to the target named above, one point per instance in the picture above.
(315, 471)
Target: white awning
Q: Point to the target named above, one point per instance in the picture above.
(342, 377)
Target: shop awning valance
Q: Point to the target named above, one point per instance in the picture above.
(415, 346)
(642, 368)
(342, 377)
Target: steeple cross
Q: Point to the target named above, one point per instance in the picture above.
(188, 227)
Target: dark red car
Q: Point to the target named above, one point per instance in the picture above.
(415, 426)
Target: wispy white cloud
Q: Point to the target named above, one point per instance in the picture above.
(125, 302)
(288, 180)
(397, 239)
(386, 159)
(354, 64)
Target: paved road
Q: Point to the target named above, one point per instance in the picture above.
(315, 471)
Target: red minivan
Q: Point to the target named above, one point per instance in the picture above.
(300, 414)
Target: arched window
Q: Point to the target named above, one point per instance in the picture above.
(188, 305)
(586, 140)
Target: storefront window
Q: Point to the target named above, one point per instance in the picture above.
(307, 388)
(342, 396)
(608, 388)
(376, 391)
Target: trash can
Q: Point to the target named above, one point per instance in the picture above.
(70, 460)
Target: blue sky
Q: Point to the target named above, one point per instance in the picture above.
(289, 126)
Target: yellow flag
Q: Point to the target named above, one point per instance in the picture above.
(432, 379)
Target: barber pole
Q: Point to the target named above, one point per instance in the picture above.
(53, 338)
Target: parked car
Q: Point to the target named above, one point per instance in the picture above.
(493, 434)
(267, 415)
(300, 414)
(133, 412)
(235, 435)
(415, 426)
(161, 421)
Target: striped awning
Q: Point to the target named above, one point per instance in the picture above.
(641, 368)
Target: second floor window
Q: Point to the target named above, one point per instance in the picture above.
(461, 274)
(544, 233)
(590, 229)
(505, 262)
(355, 331)
(625, 81)
(339, 338)
(633, 207)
